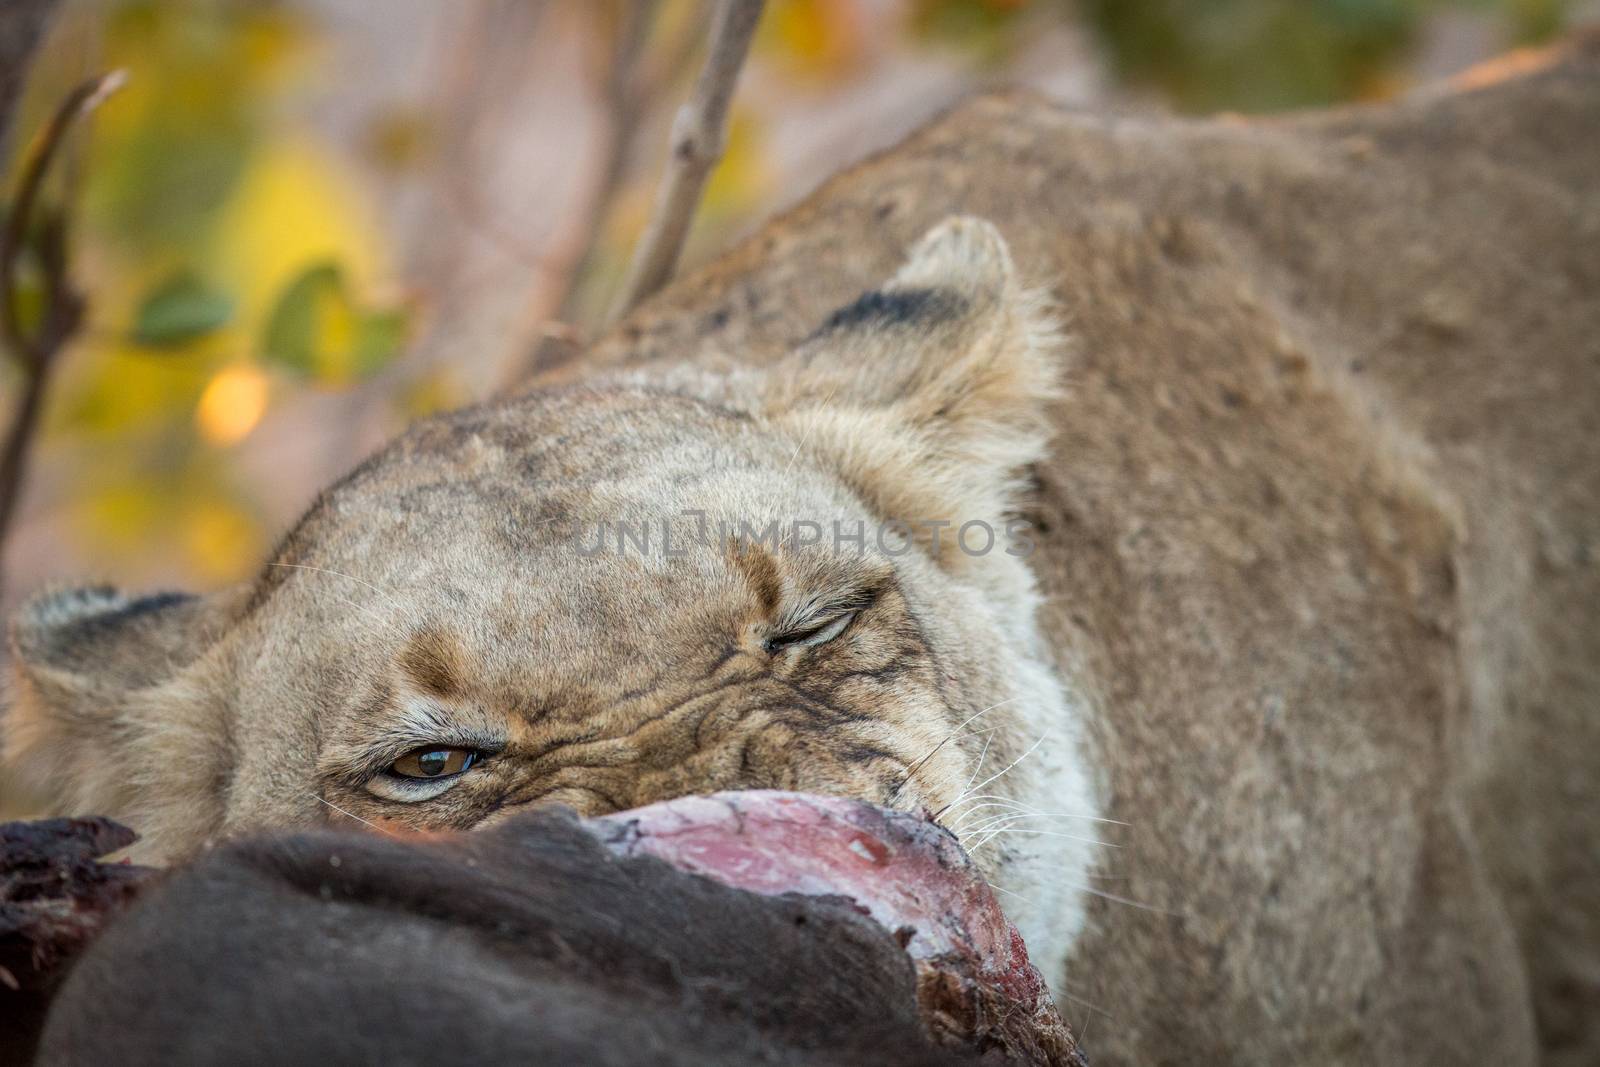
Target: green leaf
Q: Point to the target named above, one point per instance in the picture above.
(180, 310)
(292, 338)
(380, 337)
(317, 329)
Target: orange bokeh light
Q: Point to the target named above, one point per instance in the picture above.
(232, 405)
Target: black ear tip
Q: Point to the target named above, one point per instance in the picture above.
(895, 308)
(60, 607)
(45, 619)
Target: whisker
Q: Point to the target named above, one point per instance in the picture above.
(1002, 771)
(952, 736)
(983, 754)
(995, 797)
(1008, 818)
(988, 732)
(374, 616)
(1012, 811)
(351, 814)
(1011, 893)
(1085, 1004)
(807, 435)
(1079, 1031)
(960, 824)
(336, 574)
(1043, 833)
(990, 822)
(1083, 1033)
(371, 612)
(1122, 900)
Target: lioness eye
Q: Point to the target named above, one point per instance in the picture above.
(430, 763)
(810, 638)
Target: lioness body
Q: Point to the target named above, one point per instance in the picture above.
(1318, 607)
(1323, 530)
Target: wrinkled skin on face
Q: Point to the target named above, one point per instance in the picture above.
(650, 584)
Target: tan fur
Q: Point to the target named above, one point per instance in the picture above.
(1314, 610)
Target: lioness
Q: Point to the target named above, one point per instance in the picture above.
(1283, 582)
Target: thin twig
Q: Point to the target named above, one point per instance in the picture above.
(23, 24)
(699, 135)
(623, 96)
(631, 80)
(489, 63)
(79, 102)
(35, 354)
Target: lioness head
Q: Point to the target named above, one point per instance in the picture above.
(659, 582)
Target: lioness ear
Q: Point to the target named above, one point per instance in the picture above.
(932, 391)
(78, 727)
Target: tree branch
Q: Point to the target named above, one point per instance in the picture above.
(631, 79)
(63, 308)
(22, 24)
(699, 133)
(622, 93)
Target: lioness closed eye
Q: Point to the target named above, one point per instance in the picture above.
(660, 582)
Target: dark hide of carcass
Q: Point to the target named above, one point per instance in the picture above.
(55, 897)
(544, 940)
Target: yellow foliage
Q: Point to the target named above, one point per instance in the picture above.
(437, 390)
(743, 178)
(222, 540)
(818, 39)
(293, 208)
(118, 513)
(192, 172)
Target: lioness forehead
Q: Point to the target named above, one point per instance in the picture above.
(616, 516)
(530, 464)
(538, 478)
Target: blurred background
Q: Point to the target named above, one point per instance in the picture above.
(304, 222)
